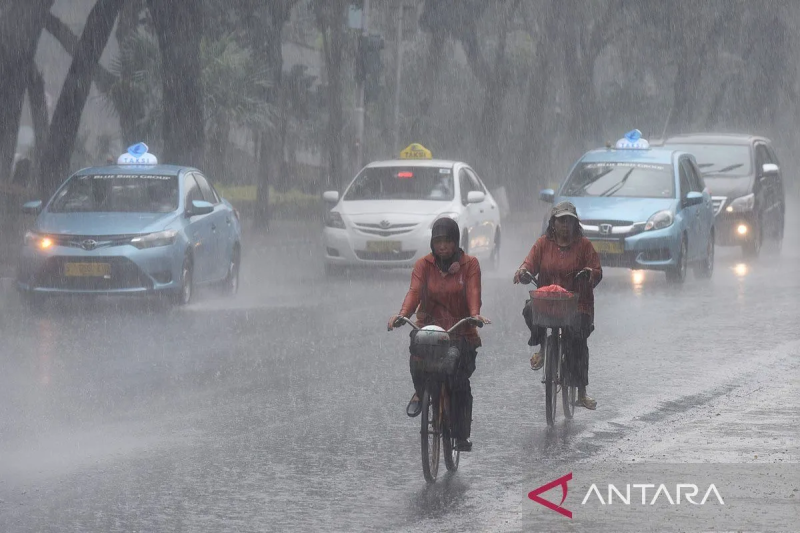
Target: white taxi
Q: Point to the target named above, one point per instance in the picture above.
(385, 215)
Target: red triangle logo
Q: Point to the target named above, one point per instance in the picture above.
(562, 481)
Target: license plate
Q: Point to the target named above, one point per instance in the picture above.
(383, 246)
(608, 247)
(94, 270)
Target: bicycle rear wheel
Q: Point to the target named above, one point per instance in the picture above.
(551, 376)
(430, 434)
(451, 455)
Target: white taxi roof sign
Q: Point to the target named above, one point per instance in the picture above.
(415, 151)
(633, 140)
(137, 154)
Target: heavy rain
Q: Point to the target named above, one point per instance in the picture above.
(209, 215)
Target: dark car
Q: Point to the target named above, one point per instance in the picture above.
(743, 175)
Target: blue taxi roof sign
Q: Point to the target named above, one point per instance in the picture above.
(633, 141)
(137, 154)
(415, 151)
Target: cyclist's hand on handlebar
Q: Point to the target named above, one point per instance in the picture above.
(584, 275)
(522, 276)
(394, 322)
(482, 319)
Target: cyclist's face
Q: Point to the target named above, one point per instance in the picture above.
(443, 248)
(564, 226)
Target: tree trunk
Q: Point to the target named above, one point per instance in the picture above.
(179, 27)
(74, 93)
(20, 28)
(39, 117)
(332, 27)
(428, 90)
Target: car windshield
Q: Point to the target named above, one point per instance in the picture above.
(726, 159)
(622, 179)
(117, 193)
(403, 183)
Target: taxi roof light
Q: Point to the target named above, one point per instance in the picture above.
(415, 151)
(632, 141)
(137, 154)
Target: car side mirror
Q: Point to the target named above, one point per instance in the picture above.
(693, 198)
(199, 207)
(331, 196)
(475, 197)
(548, 195)
(32, 208)
(769, 168)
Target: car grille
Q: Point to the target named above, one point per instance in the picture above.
(617, 228)
(718, 202)
(384, 230)
(91, 242)
(385, 256)
(124, 275)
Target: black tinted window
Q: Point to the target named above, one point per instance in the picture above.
(725, 159)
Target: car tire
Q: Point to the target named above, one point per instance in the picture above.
(752, 249)
(186, 291)
(232, 278)
(494, 258)
(705, 268)
(677, 274)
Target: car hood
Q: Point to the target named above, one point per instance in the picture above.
(102, 223)
(420, 208)
(729, 187)
(629, 209)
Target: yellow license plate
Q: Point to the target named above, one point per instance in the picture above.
(608, 247)
(95, 270)
(383, 246)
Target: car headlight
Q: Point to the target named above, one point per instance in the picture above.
(742, 204)
(333, 219)
(153, 240)
(37, 240)
(452, 215)
(660, 220)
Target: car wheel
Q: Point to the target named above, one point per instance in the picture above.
(494, 258)
(232, 279)
(752, 248)
(184, 295)
(705, 268)
(677, 274)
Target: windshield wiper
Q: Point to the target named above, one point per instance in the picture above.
(703, 165)
(617, 186)
(726, 169)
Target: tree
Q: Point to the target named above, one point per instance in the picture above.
(72, 99)
(179, 28)
(20, 27)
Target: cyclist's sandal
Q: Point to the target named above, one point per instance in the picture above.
(414, 407)
(537, 361)
(587, 402)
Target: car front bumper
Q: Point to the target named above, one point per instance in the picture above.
(129, 271)
(350, 248)
(648, 250)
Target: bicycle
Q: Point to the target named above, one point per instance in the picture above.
(554, 311)
(438, 360)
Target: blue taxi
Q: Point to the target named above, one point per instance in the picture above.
(643, 208)
(137, 227)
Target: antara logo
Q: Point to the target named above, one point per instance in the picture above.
(688, 490)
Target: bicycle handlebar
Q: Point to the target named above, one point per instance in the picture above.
(527, 278)
(469, 320)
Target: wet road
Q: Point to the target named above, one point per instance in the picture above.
(284, 408)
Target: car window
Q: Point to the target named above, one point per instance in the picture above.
(762, 157)
(466, 185)
(621, 180)
(698, 176)
(773, 157)
(684, 178)
(402, 183)
(475, 182)
(193, 191)
(725, 159)
(208, 193)
(117, 193)
(695, 184)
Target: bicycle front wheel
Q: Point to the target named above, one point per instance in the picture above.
(430, 434)
(451, 455)
(551, 377)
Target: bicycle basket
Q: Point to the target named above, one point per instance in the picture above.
(431, 352)
(553, 309)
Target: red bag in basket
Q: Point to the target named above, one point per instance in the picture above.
(552, 301)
